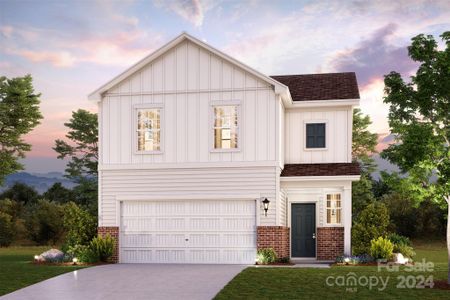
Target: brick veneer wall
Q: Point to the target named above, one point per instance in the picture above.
(330, 242)
(276, 237)
(114, 233)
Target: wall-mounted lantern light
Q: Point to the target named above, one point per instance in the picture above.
(265, 203)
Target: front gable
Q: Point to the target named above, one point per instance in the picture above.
(186, 64)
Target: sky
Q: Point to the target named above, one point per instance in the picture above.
(72, 47)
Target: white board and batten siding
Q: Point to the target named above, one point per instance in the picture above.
(338, 135)
(185, 81)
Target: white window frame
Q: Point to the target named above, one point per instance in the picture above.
(326, 209)
(213, 104)
(327, 134)
(144, 106)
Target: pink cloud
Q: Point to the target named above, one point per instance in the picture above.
(56, 58)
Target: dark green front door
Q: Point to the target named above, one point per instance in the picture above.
(303, 226)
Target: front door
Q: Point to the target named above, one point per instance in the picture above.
(303, 227)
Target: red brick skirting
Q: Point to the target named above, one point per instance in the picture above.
(276, 237)
(114, 233)
(330, 242)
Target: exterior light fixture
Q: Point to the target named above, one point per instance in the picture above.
(265, 203)
(74, 260)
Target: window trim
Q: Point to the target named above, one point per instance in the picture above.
(213, 104)
(137, 107)
(326, 209)
(327, 140)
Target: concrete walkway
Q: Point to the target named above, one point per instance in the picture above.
(133, 281)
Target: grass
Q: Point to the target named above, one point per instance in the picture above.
(290, 283)
(17, 271)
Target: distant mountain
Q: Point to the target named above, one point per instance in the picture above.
(41, 182)
(383, 165)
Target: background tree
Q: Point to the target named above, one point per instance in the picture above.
(363, 141)
(419, 118)
(58, 193)
(83, 147)
(82, 150)
(19, 114)
(363, 146)
(21, 193)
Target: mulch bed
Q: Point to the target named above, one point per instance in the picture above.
(275, 264)
(67, 264)
(441, 285)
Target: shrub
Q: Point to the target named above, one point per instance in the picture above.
(84, 253)
(266, 256)
(381, 248)
(88, 255)
(80, 226)
(44, 222)
(406, 250)
(397, 239)
(7, 230)
(103, 247)
(372, 223)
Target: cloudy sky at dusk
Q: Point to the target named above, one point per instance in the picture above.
(72, 47)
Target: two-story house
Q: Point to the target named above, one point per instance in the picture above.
(202, 159)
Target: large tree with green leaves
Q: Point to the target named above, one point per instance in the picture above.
(82, 148)
(19, 114)
(419, 117)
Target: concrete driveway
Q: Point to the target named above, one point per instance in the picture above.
(133, 281)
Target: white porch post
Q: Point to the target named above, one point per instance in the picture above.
(347, 214)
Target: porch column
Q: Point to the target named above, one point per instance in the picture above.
(347, 214)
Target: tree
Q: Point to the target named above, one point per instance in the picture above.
(363, 145)
(363, 141)
(83, 133)
(420, 120)
(20, 193)
(19, 114)
(362, 195)
(80, 226)
(371, 224)
(44, 222)
(58, 193)
(83, 154)
(7, 231)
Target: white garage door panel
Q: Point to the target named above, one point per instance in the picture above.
(188, 231)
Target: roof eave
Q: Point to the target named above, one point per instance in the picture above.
(325, 103)
(320, 178)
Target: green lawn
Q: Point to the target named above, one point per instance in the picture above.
(17, 271)
(290, 283)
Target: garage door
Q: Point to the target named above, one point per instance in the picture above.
(191, 231)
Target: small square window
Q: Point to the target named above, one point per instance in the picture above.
(315, 135)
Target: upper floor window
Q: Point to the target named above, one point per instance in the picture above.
(149, 129)
(334, 208)
(315, 135)
(226, 127)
